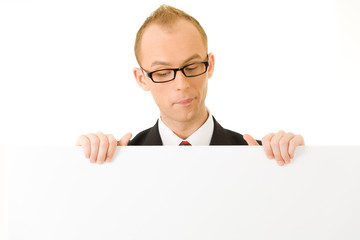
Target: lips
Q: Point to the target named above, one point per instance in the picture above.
(185, 101)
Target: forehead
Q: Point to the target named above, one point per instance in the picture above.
(171, 44)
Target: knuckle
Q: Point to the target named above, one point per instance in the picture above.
(289, 136)
(95, 142)
(274, 142)
(281, 132)
(104, 144)
(113, 142)
(84, 140)
(267, 137)
(283, 143)
(292, 141)
(111, 139)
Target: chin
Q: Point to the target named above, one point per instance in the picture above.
(185, 116)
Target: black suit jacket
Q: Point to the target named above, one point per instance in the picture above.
(220, 136)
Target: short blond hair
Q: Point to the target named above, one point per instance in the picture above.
(166, 16)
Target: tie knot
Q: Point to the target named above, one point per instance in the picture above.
(184, 143)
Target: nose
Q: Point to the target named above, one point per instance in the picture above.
(181, 82)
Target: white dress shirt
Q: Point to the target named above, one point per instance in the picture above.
(202, 136)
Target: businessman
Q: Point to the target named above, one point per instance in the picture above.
(175, 65)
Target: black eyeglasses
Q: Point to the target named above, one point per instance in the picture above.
(169, 74)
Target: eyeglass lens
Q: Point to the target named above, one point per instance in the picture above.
(190, 71)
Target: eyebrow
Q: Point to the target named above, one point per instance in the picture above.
(195, 56)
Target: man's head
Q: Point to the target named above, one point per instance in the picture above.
(170, 38)
(166, 16)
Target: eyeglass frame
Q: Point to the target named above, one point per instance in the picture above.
(175, 70)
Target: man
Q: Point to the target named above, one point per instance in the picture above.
(171, 49)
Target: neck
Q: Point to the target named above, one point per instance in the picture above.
(184, 129)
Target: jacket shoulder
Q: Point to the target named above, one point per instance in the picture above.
(222, 136)
(150, 136)
(139, 138)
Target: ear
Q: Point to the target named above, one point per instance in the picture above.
(140, 79)
(211, 65)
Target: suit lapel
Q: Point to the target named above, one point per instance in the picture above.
(219, 136)
(153, 137)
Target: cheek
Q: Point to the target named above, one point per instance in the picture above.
(159, 97)
(204, 87)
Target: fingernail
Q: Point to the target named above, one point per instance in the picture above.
(92, 160)
(281, 163)
(270, 157)
(108, 159)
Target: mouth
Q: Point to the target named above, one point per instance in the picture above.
(185, 102)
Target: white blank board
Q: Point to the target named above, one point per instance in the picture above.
(223, 192)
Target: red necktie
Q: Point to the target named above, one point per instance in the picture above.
(184, 143)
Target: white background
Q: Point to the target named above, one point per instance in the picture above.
(66, 68)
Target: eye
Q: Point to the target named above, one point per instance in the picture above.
(162, 73)
(192, 67)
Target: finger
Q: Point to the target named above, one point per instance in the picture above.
(103, 147)
(250, 140)
(112, 147)
(284, 146)
(266, 144)
(85, 143)
(280, 163)
(94, 141)
(276, 148)
(298, 140)
(125, 140)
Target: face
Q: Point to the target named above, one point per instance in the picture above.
(183, 99)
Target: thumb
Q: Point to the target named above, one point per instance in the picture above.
(250, 140)
(125, 140)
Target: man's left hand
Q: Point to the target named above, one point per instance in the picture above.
(280, 145)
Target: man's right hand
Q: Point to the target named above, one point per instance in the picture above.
(100, 147)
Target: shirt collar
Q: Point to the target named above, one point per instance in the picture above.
(202, 136)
